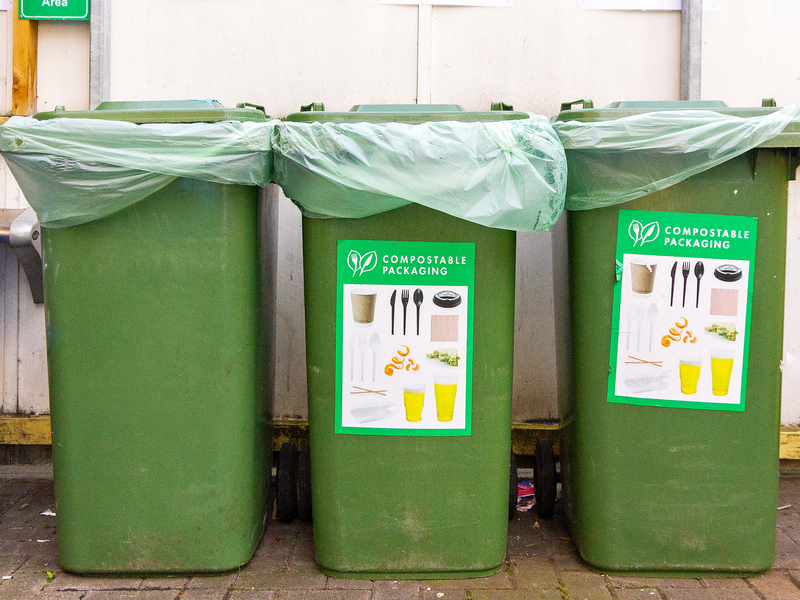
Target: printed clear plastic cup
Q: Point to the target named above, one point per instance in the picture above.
(444, 388)
(690, 373)
(643, 275)
(721, 367)
(414, 400)
(363, 303)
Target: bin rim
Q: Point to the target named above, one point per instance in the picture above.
(788, 138)
(412, 114)
(161, 111)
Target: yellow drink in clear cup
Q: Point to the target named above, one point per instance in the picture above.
(444, 388)
(690, 373)
(721, 367)
(414, 400)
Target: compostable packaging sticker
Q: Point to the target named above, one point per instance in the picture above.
(681, 321)
(404, 315)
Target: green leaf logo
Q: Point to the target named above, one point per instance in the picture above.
(362, 263)
(643, 233)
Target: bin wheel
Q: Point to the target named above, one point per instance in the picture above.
(304, 483)
(286, 496)
(513, 489)
(544, 478)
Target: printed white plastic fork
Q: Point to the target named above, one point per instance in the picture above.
(352, 354)
(639, 323)
(362, 343)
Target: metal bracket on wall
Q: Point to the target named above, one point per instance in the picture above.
(20, 229)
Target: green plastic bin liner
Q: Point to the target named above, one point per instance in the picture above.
(409, 336)
(159, 324)
(502, 169)
(78, 166)
(670, 445)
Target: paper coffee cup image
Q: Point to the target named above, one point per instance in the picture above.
(413, 400)
(690, 373)
(643, 275)
(721, 367)
(444, 388)
(363, 303)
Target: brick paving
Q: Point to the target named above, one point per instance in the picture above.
(541, 564)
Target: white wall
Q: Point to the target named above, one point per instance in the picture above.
(534, 56)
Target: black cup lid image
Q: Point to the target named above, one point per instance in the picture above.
(447, 299)
(728, 273)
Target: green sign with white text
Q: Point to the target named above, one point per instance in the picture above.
(56, 10)
(682, 305)
(404, 338)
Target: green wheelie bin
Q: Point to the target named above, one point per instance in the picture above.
(670, 446)
(158, 346)
(410, 335)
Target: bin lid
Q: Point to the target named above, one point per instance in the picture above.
(162, 111)
(789, 138)
(405, 113)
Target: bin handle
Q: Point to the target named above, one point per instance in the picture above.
(251, 105)
(313, 107)
(501, 106)
(585, 103)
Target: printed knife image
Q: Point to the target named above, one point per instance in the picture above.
(391, 301)
(672, 290)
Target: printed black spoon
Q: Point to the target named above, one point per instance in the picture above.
(699, 269)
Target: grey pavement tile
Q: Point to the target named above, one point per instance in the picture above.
(534, 574)
(212, 582)
(128, 595)
(637, 594)
(339, 583)
(277, 549)
(22, 587)
(568, 562)
(164, 583)
(498, 581)
(776, 585)
(281, 581)
(48, 594)
(250, 595)
(620, 581)
(725, 583)
(396, 590)
(787, 552)
(710, 594)
(327, 595)
(454, 594)
(584, 585)
(66, 581)
(198, 594)
(42, 557)
(515, 595)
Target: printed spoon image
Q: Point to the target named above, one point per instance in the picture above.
(374, 344)
(699, 269)
(352, 354)
(652, 314)
(630, 317)
(418, 302)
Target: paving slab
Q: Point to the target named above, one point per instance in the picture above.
(542, 563)
(775, 585)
